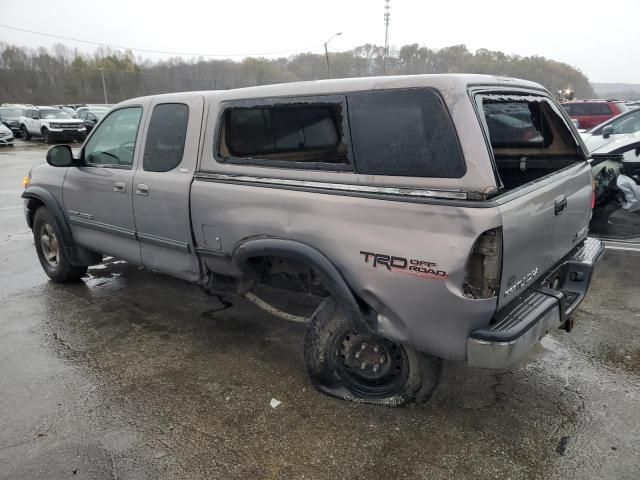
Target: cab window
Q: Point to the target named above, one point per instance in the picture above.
(114, 141)
(164, 146)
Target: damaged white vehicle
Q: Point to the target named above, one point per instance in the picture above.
(616, 213)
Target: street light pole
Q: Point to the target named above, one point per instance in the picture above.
(104, 86)
(326, 52)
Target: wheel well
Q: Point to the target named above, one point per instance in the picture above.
(263, 256)
(282, 272)
(33, 204)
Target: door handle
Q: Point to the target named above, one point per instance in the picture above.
(560, 204)
(119, 187)
(142, 189)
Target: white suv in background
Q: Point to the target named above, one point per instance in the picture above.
(52, 124)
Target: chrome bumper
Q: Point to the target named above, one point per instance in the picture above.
(518, 327)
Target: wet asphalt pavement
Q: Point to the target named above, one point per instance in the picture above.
(134, 375)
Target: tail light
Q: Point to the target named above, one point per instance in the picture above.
(484, 267)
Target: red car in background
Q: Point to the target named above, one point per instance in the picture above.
(590, 113)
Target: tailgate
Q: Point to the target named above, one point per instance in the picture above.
(545, 183)
(541, 225)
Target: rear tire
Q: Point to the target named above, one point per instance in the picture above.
(25, 133)
(361, 366)
(51, 249)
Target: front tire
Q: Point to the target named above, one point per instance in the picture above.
(46, 136)
(361, 366)
(51, 251)
(25, 133)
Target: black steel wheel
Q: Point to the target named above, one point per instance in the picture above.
(369, 365)
(361, 366)
(25, 133)
(46, 136)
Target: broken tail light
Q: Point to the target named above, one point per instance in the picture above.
(484, 267)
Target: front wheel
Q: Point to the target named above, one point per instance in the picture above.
(46, 136)
(51, 251)
(25, 133)
(358, 366)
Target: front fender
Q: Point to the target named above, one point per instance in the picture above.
(38, 196)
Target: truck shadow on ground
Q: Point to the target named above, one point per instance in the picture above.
(194, 376)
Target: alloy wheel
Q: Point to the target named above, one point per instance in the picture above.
(50, 245)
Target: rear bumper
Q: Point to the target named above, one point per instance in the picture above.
(546, 305)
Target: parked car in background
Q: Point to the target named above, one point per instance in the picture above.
(70, 110)
(92, 107)
(590, 113)
(52, 124)
(92, 116)
(614, 128)
(6, 135)
(10, 117)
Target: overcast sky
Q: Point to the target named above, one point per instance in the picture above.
(600, 38)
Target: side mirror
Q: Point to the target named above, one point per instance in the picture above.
(607, 131)
(60, 156)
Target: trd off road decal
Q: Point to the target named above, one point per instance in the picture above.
(411, 266)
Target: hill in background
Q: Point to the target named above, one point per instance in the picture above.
(62, 75)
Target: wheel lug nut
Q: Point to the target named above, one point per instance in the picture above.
(363, 366)
(382, 359)
(375, 369)
(375, 349)
(363, 346)
(357, 355)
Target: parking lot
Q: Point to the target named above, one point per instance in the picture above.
(131, 374)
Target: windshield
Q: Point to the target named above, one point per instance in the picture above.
(53, 113)
(10, 112)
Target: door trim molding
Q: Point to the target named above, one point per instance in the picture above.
(103, 227)
(164, 242)
(130, 234)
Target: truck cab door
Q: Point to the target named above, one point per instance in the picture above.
(97, 194)
(162, 186)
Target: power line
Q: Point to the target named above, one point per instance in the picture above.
(186, 54)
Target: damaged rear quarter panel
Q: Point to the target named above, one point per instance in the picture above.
(429, 313)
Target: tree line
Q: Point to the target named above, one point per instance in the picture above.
(61, 75)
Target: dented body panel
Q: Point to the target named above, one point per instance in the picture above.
(424, 307)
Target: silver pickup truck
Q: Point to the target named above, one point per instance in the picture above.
(432, 216)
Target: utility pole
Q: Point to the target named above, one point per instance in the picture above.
(387, 19)
(326, 52)
(104, 86)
